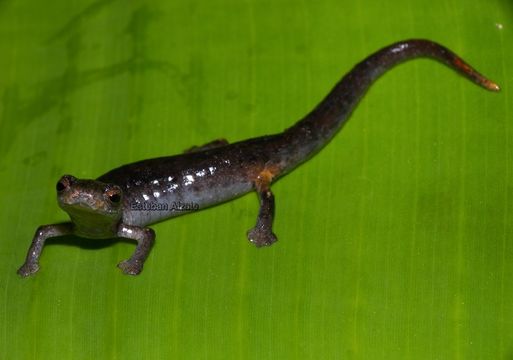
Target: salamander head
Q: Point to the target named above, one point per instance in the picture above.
(95, 208)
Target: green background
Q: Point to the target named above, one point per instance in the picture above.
(395, 241)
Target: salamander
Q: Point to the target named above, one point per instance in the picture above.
(125, 201)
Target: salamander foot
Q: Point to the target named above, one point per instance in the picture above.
(28, 269)
(131, 267)
(261, 236)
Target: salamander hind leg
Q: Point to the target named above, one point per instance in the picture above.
(210, 145)
(262, 234)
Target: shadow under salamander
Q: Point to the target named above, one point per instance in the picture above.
(84, 243)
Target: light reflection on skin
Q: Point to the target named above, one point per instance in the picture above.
(189, 179)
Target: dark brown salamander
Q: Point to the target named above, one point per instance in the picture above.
(122, 202)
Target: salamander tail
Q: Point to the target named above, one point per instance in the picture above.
(317, 128)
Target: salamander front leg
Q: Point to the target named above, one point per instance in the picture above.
(145, 238)
(44, 232)
(262, 234)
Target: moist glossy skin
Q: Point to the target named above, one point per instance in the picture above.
(201, 178)
(124, 201)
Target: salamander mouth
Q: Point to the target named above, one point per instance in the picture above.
(98, 208)
(80, 206)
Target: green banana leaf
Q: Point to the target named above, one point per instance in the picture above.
(395, 241)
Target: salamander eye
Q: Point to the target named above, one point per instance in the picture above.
(60, 186)
(113, 194)
(115, 198)
(64, 182)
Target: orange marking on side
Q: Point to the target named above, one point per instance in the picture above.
(265, 177)
(464, 66)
